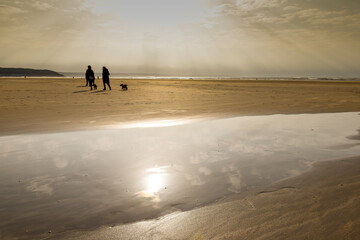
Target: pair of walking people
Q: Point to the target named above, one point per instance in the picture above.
(90, 78)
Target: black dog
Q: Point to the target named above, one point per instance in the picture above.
(123, 86)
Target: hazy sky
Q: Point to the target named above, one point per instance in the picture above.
(225, 37)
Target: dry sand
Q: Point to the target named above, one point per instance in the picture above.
(323, 203)
(33, 105)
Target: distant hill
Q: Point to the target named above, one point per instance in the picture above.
(17, 72)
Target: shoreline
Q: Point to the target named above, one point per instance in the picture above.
(146, 123)
(194, 78)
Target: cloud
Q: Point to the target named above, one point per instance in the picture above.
(234, 177)
(288, 14)
(9, 15)
(9, 10)
(44, 184)
(195, 180)
(205, 170)
(39, 31)
(235, 181)
(291, 37)
(42, 6)
(61, 163)
(285, 14)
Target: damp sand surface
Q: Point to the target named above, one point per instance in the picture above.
(171, 159)
(322, 203)
(80, 184)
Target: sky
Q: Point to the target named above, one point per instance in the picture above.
(286, 38)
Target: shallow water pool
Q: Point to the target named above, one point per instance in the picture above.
(87, 179)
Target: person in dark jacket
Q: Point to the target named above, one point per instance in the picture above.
(105, 77)
(90, 77)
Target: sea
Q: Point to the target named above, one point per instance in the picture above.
(203, 77)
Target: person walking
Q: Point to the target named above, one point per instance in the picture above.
(105, 77)
(90, 77)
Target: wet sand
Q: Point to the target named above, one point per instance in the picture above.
(33, 105)
(322, 203)
(90, 179)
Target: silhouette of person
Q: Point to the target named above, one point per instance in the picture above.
(90, 77)
(105, 77)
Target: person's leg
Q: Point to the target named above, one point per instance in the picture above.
(104, 85)
(91, 84)
(87, 82)
(108, 83)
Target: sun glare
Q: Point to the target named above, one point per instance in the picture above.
(154, 183)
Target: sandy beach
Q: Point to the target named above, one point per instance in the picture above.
(300, 201)
(240, 120)
(33, 105)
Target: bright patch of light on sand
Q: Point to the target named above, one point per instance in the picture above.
(153, 124)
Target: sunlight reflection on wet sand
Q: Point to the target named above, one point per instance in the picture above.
(154, 182)
(127, 174)
(153, 124)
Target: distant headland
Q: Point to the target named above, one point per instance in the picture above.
(28, 72)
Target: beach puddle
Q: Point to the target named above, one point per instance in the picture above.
(87, 179)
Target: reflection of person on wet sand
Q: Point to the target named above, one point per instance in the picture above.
(105, 77)
(90, 77)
